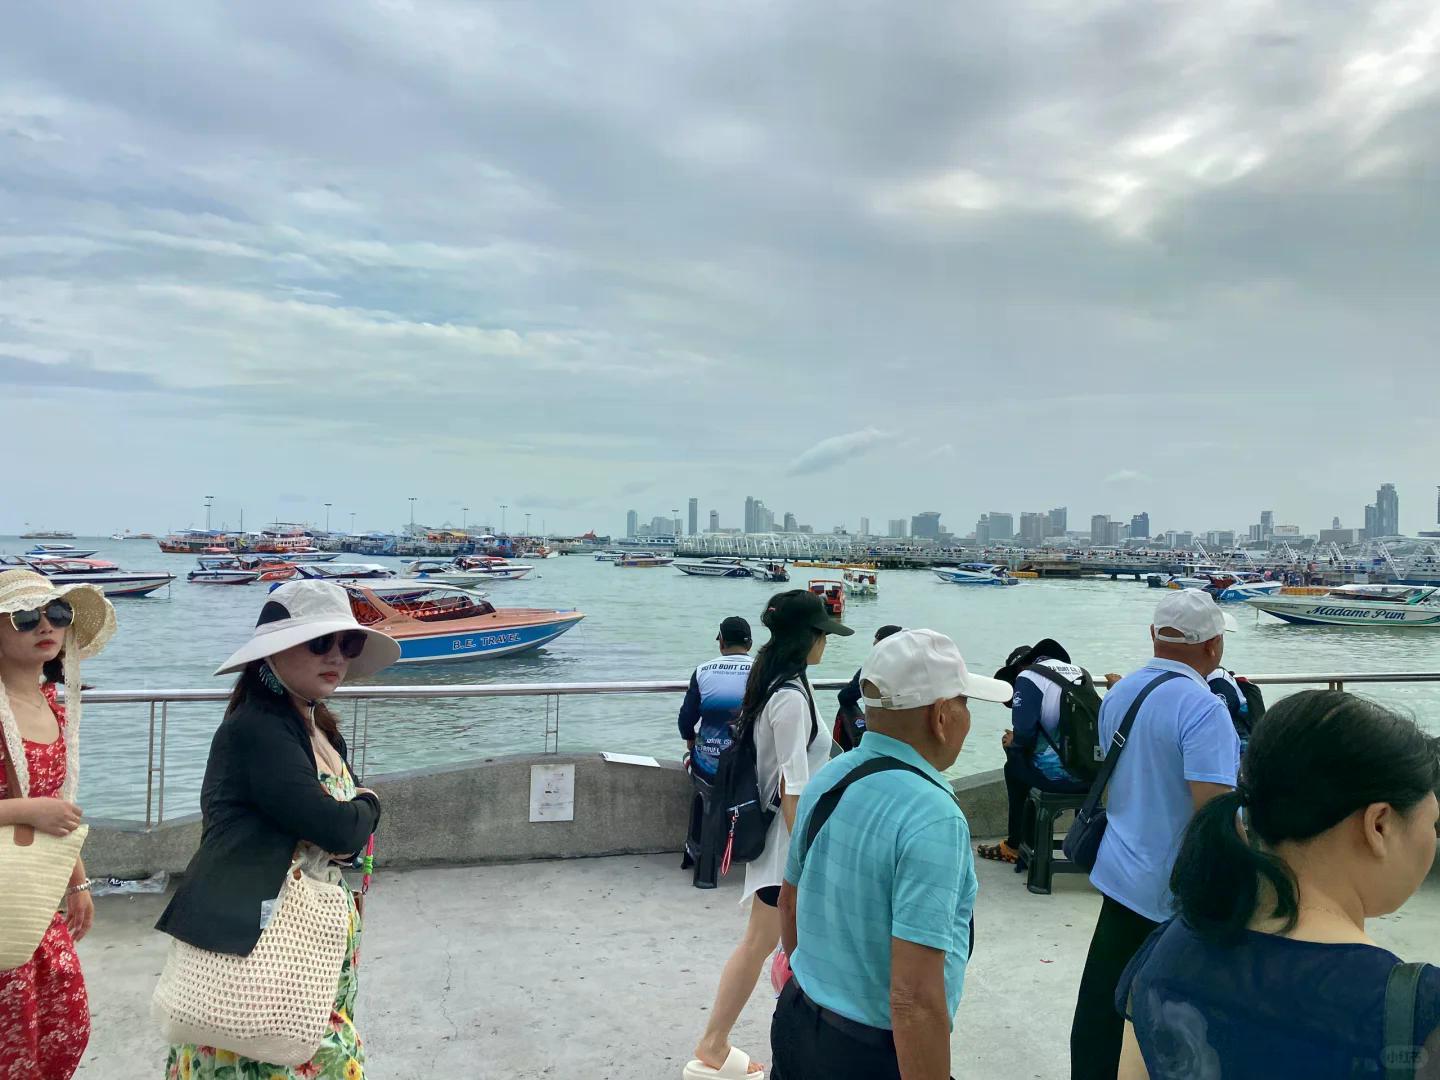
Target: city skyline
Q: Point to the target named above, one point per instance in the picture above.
(1147, 259)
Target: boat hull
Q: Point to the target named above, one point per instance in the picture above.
(1324, 611)
(119, 584)
(222, 577)
(426, 646)
(701, 570)
(986, 580)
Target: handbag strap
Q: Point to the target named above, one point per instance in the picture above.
(1400, 990)
(1054, 677)
(1117, 744)
(12, 782)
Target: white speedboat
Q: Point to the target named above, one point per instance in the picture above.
(493, 568)
(643, 559)
(609, 556)
(1357, 605)
(344, 571)
(444, 573)
(59, 551)
(719, 566)
(860, 582)
(976, 574)
(203, 576)
(112, 580)
(772, 570)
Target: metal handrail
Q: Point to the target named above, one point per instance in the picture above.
(160, 700)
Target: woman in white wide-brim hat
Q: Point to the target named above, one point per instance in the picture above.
(278, 784)
(44, 632)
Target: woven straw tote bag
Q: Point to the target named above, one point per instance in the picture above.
(274, 1005)
(35, 869)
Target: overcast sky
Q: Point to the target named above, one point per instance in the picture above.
(853, 259)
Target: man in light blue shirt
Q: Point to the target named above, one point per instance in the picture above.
(1182, 752)
(880, 883)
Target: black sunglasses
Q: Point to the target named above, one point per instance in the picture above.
(352, 644)
(58, 613)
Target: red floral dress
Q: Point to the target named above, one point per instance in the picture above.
(44, 1011)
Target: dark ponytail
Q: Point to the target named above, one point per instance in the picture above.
(1313, 760)
(780, 659)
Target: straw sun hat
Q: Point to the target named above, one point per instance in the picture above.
(25, 590)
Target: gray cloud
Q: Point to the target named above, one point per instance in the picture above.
(837, 450)
(605, 254)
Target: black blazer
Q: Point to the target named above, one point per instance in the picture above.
(260, 798)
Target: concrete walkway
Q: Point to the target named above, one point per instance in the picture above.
(604, 968)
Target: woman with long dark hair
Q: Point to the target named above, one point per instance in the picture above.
(1267, 971)
(44, 632)
(278, 791)
(791, 745)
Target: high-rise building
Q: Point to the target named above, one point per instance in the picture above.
(694, 516)
(982, 530)
(1099, 530)
(632, 524)
(896, 529)
(1372, 522)
(1059, 522)
(1002, 525)
(714, 520)
(1032, 529)
(925, 526)
(749, 513)
(662, 526)
(679, 529)
(1387, 511)
(1140, 524)
(1343, 537)
(1267, 524)
(1335, 522)
(758, 519)
(791, 525)
(864, 526)
(1254, 534)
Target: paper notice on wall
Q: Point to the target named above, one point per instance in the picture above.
(552, 792)
(631, 759)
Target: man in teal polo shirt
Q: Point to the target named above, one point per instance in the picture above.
(876, 906)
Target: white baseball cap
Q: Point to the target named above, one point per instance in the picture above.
(1194, 614)
(920, 667)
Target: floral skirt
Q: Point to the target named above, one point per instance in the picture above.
(341, 1055)
(44, 1012)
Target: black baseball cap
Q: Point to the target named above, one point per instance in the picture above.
(735, 631)
(799, 608)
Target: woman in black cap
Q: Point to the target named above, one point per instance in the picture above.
(790, 746)
(1041, 674)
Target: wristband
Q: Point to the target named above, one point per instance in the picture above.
(84, 886)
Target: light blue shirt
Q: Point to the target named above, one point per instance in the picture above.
(894, 860)
(1183, 733)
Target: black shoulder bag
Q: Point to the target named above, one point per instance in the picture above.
(1082, 842)
(1401, 1057)
(825, 805)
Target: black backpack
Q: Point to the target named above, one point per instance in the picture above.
(1077, 741)
(1254, 703)
(748, 811)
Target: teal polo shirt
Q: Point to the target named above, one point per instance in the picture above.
(894, 860)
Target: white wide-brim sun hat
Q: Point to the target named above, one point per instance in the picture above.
(301, 611)
(94, 625)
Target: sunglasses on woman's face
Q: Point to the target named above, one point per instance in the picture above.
(58, 614)
(352, 644)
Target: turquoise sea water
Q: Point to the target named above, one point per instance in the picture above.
(649, 624)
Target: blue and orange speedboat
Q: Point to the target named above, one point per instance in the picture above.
(443, 622)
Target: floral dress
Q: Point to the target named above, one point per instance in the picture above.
(341, 1055)
(44, 1011)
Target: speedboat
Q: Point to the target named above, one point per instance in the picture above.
(976, 573)
(347, 571)
(609, 556)
(770, 571)
(1357, 605)
(218, 576)
(861, 582)
(1238, 586)
(447, 623)
(59, 551)
(112, 580)
(443, 573)
(832, 594)
(636, 559)
(493, 567)
(719, 566)
(239, 570)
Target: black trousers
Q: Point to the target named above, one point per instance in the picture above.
(1020, 776)
(808, 1043)
(1099, 1029)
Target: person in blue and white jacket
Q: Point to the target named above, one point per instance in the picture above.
(712, 704)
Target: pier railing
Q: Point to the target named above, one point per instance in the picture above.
(356, 701)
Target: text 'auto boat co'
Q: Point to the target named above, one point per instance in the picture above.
(976, 574)
(1357, 605)
(444, 622)
(719, 566)
(112, 580)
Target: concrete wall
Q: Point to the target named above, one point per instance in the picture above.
(480, 812)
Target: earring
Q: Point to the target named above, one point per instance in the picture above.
(271, 681)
